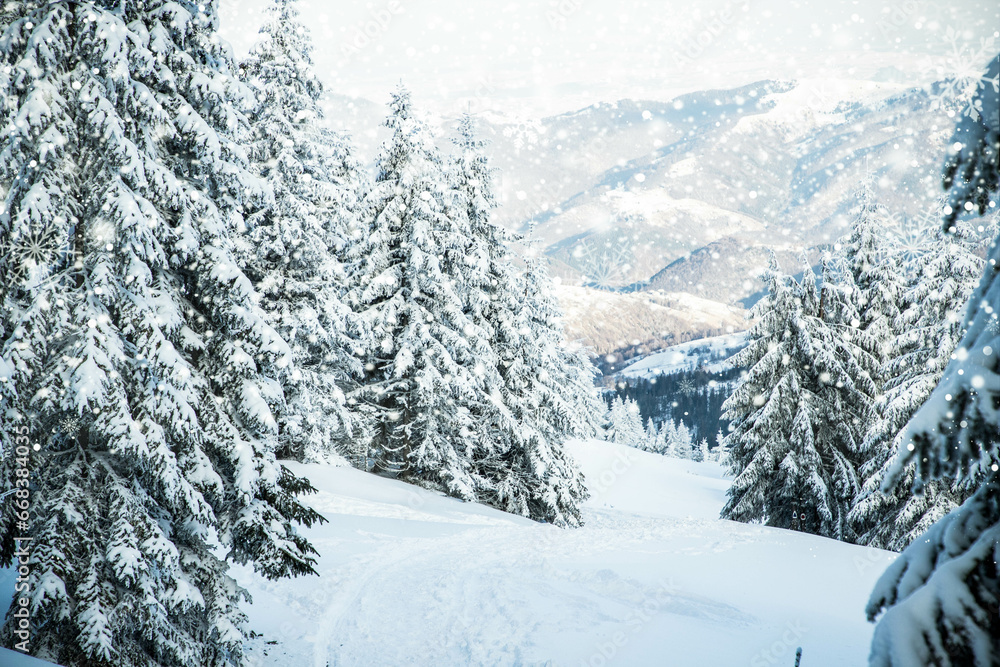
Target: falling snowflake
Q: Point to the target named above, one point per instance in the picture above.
(524, 134)
(606, 265)
(914, 237)
(24, 254)
(911, 244)
(70, 425)
(687, 387)
(960, 74)
(993, 324)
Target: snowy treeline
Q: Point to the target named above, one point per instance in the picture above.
(941, 596)
(868, 411)
(836, 366)
(199, 278)
(467, 384)
(693, 396)
(670, 438)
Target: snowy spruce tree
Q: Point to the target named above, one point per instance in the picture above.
(425, 359)
(674, 439)
(721, 450)
(680, 444)
(940, 597)
(143, 369)
(625, 424)
(871, 282)
(932, 326)
(292, 248)
(568, 403)
(972, 168)
(702, 452)
(796, 415)
(540, 391)
(654, 442)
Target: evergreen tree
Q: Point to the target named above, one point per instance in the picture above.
(972, 168)
(660, 443)
(796, 414)
(668, 436)
(721, 450)
(940, 597)
(932, 328)
(425, 358)
(144, 370)
(683, 444)
(538, 392)
(873, 283)
(676, 439)
(569, 404)
(469, 385)
(293, 246)
(626, 424)
(652, 437)
(702, 453)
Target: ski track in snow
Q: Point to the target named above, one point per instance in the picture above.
(410, 577)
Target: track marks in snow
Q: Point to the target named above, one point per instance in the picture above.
(409, 577)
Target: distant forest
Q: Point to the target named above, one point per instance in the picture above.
(693, 396)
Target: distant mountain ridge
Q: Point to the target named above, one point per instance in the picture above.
(691, 195)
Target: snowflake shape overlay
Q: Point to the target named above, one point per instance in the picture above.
(24, 254)
(913, 238)
(70, 425)
(993, 324)
(961, 74)
(524, 134)
(606, 265)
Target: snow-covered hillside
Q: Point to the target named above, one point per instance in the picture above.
(607, 321)
(654, 578)
(710, 353)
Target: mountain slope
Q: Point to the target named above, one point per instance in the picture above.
(616, 192)
(638, 322)
(726, 270)
(654, 578)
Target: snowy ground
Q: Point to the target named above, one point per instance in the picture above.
(410, 577)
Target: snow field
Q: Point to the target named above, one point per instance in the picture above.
(411, 577)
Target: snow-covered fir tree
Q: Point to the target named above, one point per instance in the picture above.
(540, 391)
(625, 424)
(940, 597)
(654, 442)
(796, 415)
(674, 439)
(667, 436)
(701, 453)
(291, 249)
(425, 359)
(932, 326)
(870, 280)
(721, 449)
(680, 444)
(143, 368)
(569, 404)
(660, 444)
(972, 168)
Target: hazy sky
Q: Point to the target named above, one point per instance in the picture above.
(542, 56)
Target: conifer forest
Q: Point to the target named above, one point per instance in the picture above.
(534, 333)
